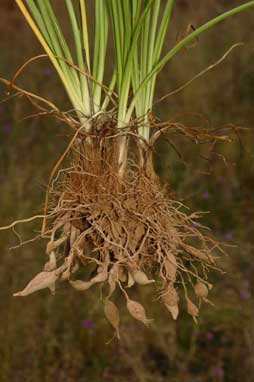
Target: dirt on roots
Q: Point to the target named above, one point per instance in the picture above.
(124, 230)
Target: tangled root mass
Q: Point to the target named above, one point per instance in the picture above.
(123, 231)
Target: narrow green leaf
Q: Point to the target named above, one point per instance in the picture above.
(38, 18)
(85, 33)
(37, 32)
(79, 52)
(100, 46)
(63, 44)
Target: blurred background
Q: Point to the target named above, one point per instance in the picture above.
(66, 338)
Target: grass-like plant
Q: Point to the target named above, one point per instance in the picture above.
(107, 210)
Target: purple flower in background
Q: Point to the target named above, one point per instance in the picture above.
(209, 336)
(88, 324)
(218, 372)
(205, 195)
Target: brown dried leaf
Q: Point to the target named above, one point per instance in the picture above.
(41, 281)
(112, 314)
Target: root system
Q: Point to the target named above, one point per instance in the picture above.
(117, 231)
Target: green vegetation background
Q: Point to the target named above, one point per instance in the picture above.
(66, 338)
